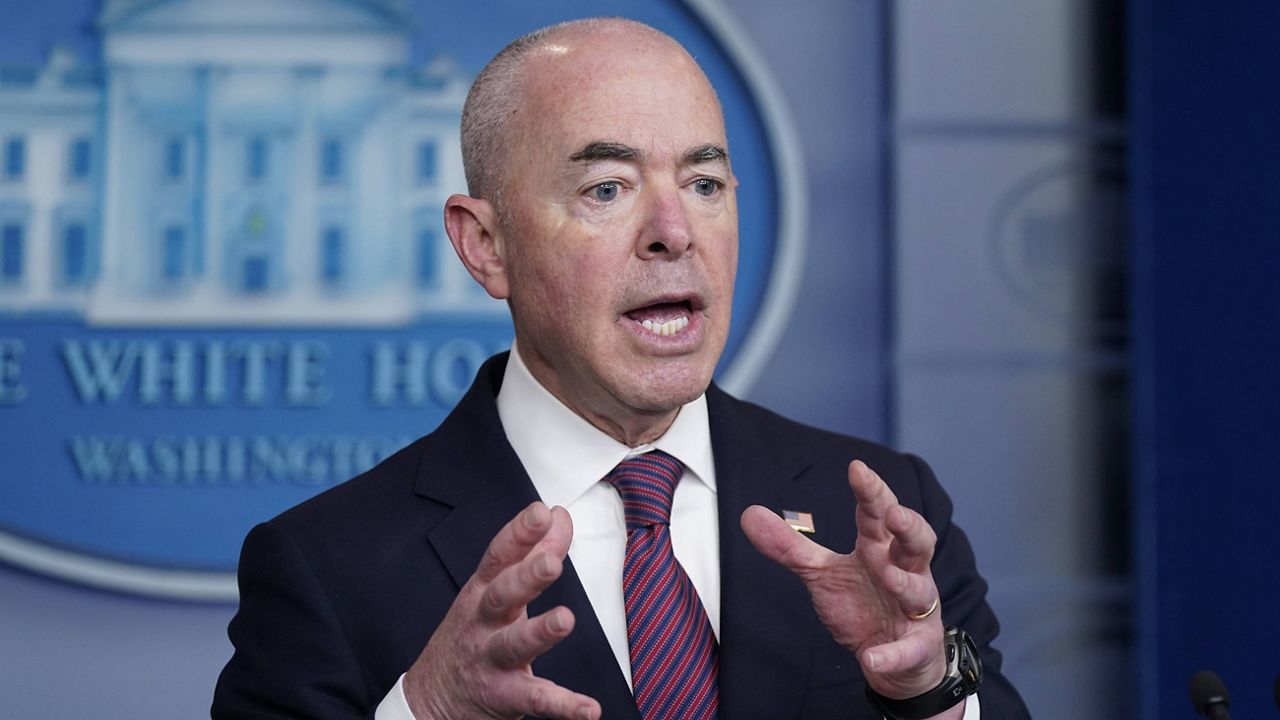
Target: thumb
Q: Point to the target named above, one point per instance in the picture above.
(779, 542)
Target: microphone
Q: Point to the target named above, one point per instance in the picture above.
(1210, 696)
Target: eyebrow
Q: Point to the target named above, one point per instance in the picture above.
(706, 154)
(595, 151)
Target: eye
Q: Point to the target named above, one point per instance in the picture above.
(706, 187)
(605, 192)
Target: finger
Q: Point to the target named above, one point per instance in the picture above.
(516, 645)
(541, 697)
(779, 542)
(514, 541)
(916, 593)
(515, 587)
(913, 539)
(559, 536)
(875, 500)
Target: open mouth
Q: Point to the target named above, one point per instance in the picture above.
(663, 318)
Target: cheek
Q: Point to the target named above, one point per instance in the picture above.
(731, 259)
(724, 263)
(572, 291)
(593, 283)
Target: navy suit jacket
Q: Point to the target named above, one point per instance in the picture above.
(339, 595)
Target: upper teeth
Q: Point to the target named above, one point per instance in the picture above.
(670, 327)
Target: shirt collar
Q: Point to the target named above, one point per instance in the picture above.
(565, 455)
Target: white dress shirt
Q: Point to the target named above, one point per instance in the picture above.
(567, 459)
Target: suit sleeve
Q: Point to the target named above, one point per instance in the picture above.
(292, 657)
(964, 597)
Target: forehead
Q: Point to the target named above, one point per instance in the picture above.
(646, 92)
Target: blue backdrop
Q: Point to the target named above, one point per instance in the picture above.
(1206, 169)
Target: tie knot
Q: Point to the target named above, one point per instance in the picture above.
(646, 484)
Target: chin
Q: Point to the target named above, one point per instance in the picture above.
(664, 389)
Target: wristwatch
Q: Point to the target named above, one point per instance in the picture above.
(964, 675)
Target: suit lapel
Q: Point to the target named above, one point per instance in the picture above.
(469, 467)
(767, 621)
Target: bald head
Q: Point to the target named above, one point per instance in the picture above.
(491, 115)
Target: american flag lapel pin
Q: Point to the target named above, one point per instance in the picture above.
(801, 521)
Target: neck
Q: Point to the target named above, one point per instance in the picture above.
(632, 431)
(628, 425)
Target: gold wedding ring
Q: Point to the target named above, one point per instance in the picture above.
(932, 609)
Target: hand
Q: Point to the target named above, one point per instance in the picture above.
(866, 598)
(477, 664)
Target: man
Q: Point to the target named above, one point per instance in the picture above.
(602, 210)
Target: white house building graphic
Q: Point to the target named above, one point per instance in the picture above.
(246, 162)
(199, 220)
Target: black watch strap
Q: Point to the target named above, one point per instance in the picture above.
(964, 675)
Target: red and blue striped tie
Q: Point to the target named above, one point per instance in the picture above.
(674, 658)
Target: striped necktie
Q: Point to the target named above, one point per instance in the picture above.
(674, 658)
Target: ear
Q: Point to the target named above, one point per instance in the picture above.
(476, 234)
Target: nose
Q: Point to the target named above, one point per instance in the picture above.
(666, 233)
